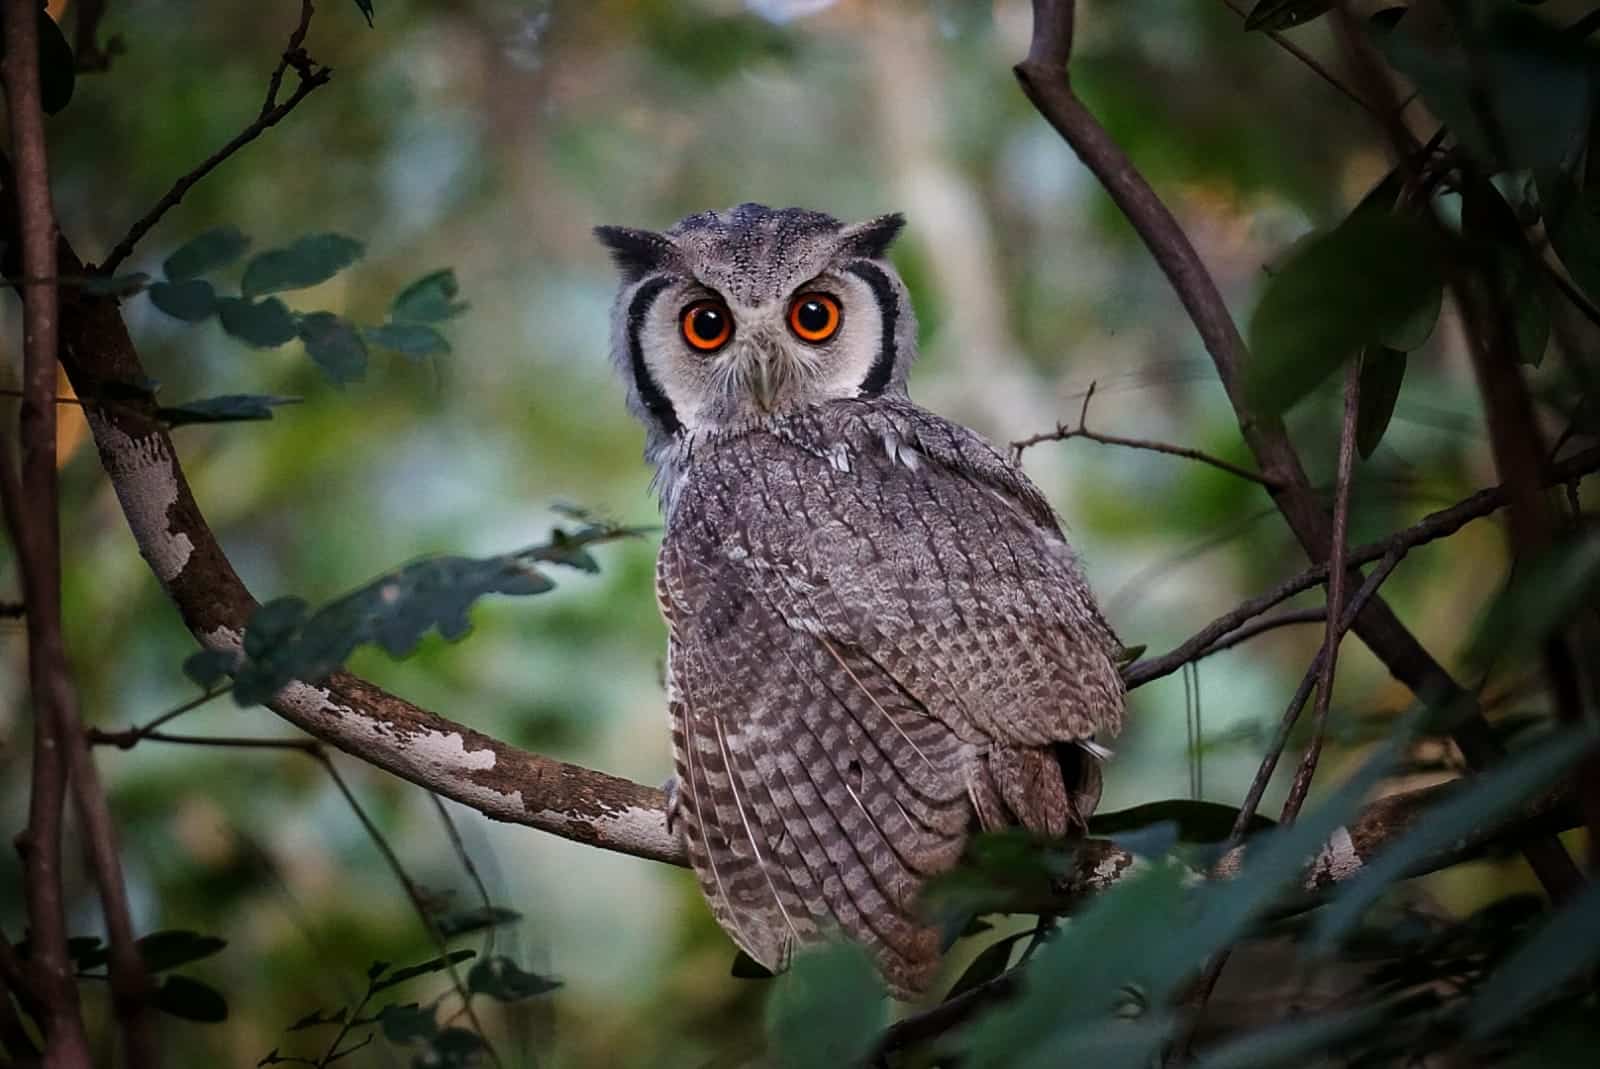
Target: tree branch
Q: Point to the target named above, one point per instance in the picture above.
(311, 76)
(1063, 433)
(1044, 79)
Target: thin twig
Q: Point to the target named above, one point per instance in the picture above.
(1262, 624)
(1063, 433)
(311, 76)
(1434, 526)
(130, 737)
(1301, 785)
(1312, 63)
(460, 847)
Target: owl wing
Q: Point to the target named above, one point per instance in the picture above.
(868, 643)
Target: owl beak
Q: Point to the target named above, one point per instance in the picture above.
(763, 383)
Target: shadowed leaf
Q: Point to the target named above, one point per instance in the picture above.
(1197, 822)
(1568, 943)
(335, 345)
(310, 261)
(475, 920)
(1383, 371)
(229, 408)
(410, 339)
(405, 1023)
(265, 324)
(191, 300)
(500, 978)
(430, 299)
(215, 248)
(182, 996)
(827, 1010)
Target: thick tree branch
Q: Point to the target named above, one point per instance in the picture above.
(1043, 76)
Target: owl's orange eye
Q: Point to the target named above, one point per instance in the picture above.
(814, 317)
(707, 325)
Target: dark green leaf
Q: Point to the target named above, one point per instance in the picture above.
(335, 345)
(210, 667)
(1572, 221)
(828, 1010)
(405, 1023)
(432, 965)
(366, 10)
(1567, 944)
(82, 948)
(747, 968)
(1197, 822)
(1484, 799)
(1382, 373)
(1275, 15)
(284, 642)
(430, 299)
(265, 324)
(213, 249)
(988, 964)
(182, 996)
(116, 285)
(190, 300)
(1414, 331)
(229, 408)
(310, 261)
(412, 339)
(1386, 18)
(500, 978)
(163, 950)
(476, 919)
(319, 1017)
(1338, 292)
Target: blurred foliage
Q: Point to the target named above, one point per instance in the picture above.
(490, 135)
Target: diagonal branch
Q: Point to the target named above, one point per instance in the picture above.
(1044, 79)
(272, 112)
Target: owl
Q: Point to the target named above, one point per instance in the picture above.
(879, 640)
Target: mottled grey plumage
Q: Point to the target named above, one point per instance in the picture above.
(879, 639)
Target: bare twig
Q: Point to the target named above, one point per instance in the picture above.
(1301, 785)
(1062, 433)
(462, 854)
(272, 112)
(1434, 526)
(130, 737)
(1262, 624)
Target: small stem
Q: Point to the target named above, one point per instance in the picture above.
(129, 738)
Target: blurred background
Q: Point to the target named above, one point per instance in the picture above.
(490, 136)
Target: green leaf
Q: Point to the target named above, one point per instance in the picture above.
(265, 324)
(1567, 944)
(1275, 15)
(1414, 331)
(191, 300)
(319, 1017)
(210, 667)
(170, 948)
(229, 408)
(1572, 221)
(1482, 800)
(335, 346)
(828, 1010)
(366, 10)
(285, 641)
(1383, 370)
(1197, 822)
(310, 261)
(183, 996)
(432, 965)
(116, 285)
(411, 339)
(430, 299)
(215, 248)
(500, 978)
(475, 920)
(408, 1022)
(1338, 292)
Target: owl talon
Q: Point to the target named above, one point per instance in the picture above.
(674, 803)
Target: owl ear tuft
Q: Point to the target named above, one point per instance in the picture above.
(635, 252)
(870, 240)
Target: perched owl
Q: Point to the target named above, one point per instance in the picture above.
(880, 642)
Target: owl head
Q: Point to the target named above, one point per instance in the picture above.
(735, 317)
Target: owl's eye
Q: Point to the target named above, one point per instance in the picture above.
(814, 317)
(707, 325)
